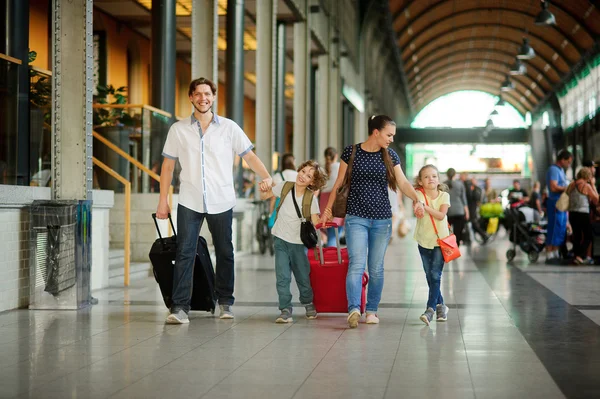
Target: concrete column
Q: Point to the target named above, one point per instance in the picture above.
(205, 31)
(334, 90)
(280, 107)
(72, 49)
(302, 41)
(163, 55)
(266, 55)
(323, 105)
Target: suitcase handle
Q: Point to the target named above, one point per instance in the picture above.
(320, 243)
(158, 230)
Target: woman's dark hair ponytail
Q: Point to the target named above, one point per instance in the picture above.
(450, 173)
(379, 122)
(330, 154)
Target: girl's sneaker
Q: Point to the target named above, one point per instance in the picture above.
(353, 318)
(372, 318)
(285, 316)
(441, 311)
(427, 316)
(311, 312)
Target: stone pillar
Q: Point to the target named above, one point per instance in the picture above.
(205, 31)
(163, 55)
(266, 54)
(334, 90)
(72, 99)
(280, 107)
(323, 105)
(302, 41)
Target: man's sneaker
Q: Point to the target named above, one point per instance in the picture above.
(311, 312)
(427, 316)
(441, 312)
(178, 317)
(226, 312)
(285, 316)
(372, 318)
(353, 318)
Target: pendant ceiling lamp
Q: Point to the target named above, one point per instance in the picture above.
(518, 68)
(500, 102)
(508, 85)
(526, 52)
(545, 17)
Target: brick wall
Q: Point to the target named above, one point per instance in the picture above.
(14, 261)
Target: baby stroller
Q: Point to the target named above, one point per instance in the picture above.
(526, 230)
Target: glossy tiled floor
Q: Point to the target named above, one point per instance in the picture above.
(513, 332)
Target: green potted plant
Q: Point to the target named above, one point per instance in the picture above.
(112, 116)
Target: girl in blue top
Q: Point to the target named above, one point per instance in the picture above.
(369, 215)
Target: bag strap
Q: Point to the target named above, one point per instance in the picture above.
(348, 176)
(287, 186)
(296, 205)
(306, 203)
(430, 216)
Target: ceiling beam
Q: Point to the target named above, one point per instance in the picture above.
(459, 135)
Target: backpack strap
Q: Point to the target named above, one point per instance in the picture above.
(287, 187)
(306, 203)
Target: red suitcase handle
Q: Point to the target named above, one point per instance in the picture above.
(320, 244)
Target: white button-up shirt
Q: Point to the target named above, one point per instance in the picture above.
(206, 160)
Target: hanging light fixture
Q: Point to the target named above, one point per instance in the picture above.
(508, 85)
(494, 112)
(500, 102)
(526, 52)
(545, 17)
(518, 68)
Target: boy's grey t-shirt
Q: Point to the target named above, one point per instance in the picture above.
(287, 225)
(458, 198)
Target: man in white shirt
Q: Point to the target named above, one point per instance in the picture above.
(204, 144)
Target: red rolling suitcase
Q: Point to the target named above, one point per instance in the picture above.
(328, 277)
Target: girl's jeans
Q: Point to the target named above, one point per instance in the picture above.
(433, 264)
(291, 258)
(367, 241)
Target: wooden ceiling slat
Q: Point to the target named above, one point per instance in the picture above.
(492, 76)
(479, 46)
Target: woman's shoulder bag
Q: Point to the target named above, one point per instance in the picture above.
(341, 196)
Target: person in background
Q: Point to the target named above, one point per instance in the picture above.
(581, 194)
(458, 214)
(474, 200)
(287, 173)
(557, 220)
(535, 200)
(490, 194)
(332, 169)
(516, 193)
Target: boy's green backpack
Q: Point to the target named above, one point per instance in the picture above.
(306, 200)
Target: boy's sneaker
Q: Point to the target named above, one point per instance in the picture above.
(226, 312)
(285, 316)
(427, 316)
(372, 318)
(311, 312)
(178, 317)
(441, 312)
(353, 318)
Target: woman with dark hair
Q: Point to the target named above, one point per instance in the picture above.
(287, 172)
(458, 213)
(369, 216)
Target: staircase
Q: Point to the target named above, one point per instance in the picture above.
(116, 268)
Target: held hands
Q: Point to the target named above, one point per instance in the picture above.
(418, 209)
(326, 216)
(266, 184)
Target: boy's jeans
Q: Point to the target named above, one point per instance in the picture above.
(189, 223)
(292, 258)
(367, 241)
(433, 264)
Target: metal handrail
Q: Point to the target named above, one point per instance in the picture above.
(10, 59)
(127, 106)
(127, 239)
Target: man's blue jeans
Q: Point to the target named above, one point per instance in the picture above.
(189, 223)
(367, 241)
(433, 264)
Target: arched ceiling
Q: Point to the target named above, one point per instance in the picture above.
(450, 45)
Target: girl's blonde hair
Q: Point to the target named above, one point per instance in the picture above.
(585, 174)
(319, 177)
(440, 187)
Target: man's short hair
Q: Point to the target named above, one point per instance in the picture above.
(589, 163)
(516, 181)
(202, 81)
(564, 155)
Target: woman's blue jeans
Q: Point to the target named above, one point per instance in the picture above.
(433, 264)
(367, 241)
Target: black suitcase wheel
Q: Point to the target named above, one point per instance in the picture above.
(533, 256)
(510, 254)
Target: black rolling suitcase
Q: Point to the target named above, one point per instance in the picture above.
(162, 257)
